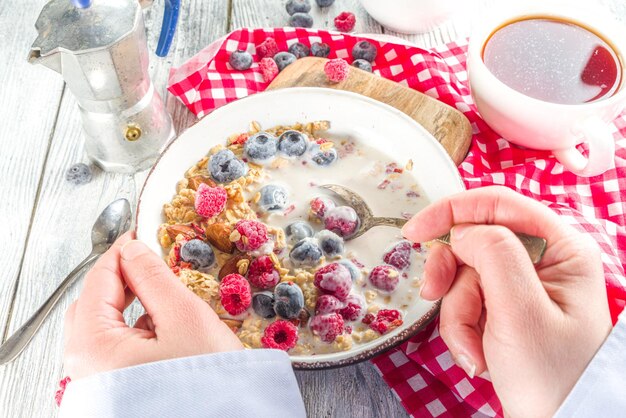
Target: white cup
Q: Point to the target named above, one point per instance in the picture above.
(542, 125)
(412, 16)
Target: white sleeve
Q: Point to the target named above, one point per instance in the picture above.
(601, 390)
(246, 383)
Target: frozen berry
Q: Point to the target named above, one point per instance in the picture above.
(327, 304)
(269, 69)
(323, 157)
(353, 310)
(283, 59)
(362, 65)
(345, 21)
(399, 256)
(240, 60)
(342, 220)
(324, 3)
(253, 234)
(306, 252)
(384, 277)
(235, 294)
(336, 70)
(198, 253)
(288, 300)
(299, 49)
(273, 197)
(263, 304)
(355, 273)
(331, 243)
(298, 231)
(262, 273)
(78, 174)
(327, 326)
(225, 167)
(333, 279)
(210, 201)
(298, 6)
(292, 143)
(261, 147)
(321, 50)
(386, 320)
(281, 335)
(301, 20)
(320, 205)
(267, 48)
(364, 50)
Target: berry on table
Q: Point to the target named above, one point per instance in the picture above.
(273, 197)
(320, 205)
(298, 6)
(384, 277)
(299, 49)
(327, 326)
(79, 173)
(263, 304)
(301, 20)
(210, 201)
(261, 147)
(331, 243)
(321, 157)
(267, 48)
(269, 69)
(283, 59)
(306, 252)
(399, 256)
(240, 60)
(288, 300)
(324, 3)
(364, 50)
(342, 220)
(262, 273)
(198, 253)
(327, 304)
(298, 231)
(281, 335)
(353, 310)
(336, 70)
(345, 21)
(225, 167)
(252, 234)
(235, 294)
(355, 273)
(362, 64)
(293, 143)
(319, 49)
(333, 279)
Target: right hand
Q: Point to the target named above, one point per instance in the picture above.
(535, 328)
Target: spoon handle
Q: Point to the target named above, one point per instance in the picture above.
(384, 221)
(13, 346)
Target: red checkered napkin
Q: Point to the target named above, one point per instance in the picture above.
(421, 372)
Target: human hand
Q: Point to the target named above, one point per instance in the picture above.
(535, 328)
(177, 323)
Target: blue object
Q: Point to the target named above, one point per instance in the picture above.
(81, 4)
(168, 27)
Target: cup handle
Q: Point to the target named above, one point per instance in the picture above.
(601, 150)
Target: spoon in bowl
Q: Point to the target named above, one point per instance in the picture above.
(535, 246)
(110, 225)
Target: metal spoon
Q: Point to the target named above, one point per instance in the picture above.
(111, 224)
(535, 246)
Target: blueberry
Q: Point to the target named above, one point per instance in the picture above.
(292, 143)
(225, 167)
(362, 65)
(307, 252)
(261, 147)
(263, 304)
(298, 231)
(324, 3)
(289, 300)
(240, 60)
(364, 50)
(299, 50)
(323, 158)
(78, 174)
(298, 6)
(283, 59)
(355, 273)
(320, 50)
(301, 20)
(198, 253)
(331, 243)
(272, 198)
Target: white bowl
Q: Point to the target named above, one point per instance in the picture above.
(411, 16)
(373, 123)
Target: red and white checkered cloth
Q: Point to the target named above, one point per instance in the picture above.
(421, 371)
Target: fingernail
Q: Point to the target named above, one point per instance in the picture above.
(466, 364)
(458, 231)
(133, 249)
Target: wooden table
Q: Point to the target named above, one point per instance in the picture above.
(47, 221)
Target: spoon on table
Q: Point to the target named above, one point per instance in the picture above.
(110, 225)
(535, 246)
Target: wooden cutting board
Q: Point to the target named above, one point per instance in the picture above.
(449, 126)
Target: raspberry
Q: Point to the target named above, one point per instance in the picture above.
(58, 396)
(327, 326)
(342, 220)
(280, 334)
(336, 70)
(384, 277)
(353, 309)
(399, 256)
(334, 279)
(253, 235)
(262, 273)
(386, 320)
(269, 69)
(210, 201)
(320, 205)
(345, 21)
(267, 48)
(235, 294)
(327, 304)
(368, 318)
